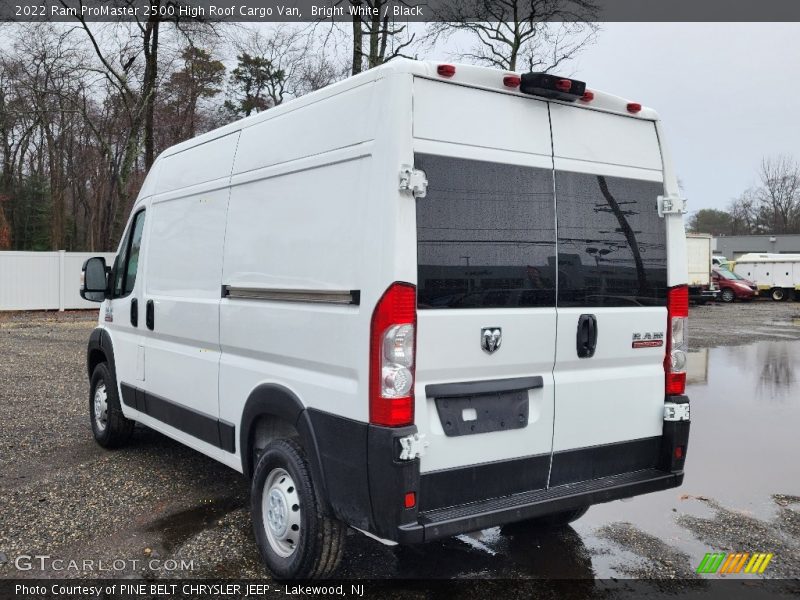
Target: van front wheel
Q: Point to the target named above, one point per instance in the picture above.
(297, 540)
(110, 427)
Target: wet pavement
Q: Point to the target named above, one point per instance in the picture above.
(64, 496)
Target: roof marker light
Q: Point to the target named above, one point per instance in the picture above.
(446, 70)
(511, 81)
(588, 96)
(634, 107)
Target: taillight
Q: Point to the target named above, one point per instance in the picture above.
(677, 341)
(391, 357)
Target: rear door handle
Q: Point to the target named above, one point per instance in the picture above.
(586, 339)
(150, 316)
(134, 312)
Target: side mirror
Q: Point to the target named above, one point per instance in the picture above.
(94, 279)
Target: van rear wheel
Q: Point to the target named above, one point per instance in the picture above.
(110, 427)
(297, 540)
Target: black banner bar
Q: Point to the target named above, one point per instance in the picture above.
(305, 11)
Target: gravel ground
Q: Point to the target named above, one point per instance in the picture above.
(742, 323)
(156, 500)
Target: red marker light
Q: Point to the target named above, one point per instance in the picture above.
(446, 70)
(679, 452)
(511, 81)
(410, 500)
(634, 107)
(588, 96)
(564, 85)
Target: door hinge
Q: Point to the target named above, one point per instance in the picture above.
(412, 446)
(413, 180)
(671, 205)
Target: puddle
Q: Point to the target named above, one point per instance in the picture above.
(178, 527)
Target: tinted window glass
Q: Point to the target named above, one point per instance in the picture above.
(485, 235)
(611, 242)
(133, 253)
(119, 266)
(125, 269)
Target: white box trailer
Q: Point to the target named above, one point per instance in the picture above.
(698, 255)
(778, 274)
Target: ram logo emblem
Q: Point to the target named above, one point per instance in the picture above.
(491, 338)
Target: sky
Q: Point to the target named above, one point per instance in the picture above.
(727, 93)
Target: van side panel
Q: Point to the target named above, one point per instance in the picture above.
(183, 267)
(289, 233)
(183, 278)
(298, 215)
(336, 122)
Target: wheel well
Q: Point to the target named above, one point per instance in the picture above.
(95, 358)
(266, 429)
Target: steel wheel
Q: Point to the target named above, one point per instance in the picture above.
(280, 505)
(101, 407)
(778, 294)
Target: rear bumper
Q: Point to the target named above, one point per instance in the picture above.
(365, 483)
(498, 511)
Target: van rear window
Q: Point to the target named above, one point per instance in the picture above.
(485, 235)
(612, 247)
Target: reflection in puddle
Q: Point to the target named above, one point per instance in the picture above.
(697, 366)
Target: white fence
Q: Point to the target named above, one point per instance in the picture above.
(43, 280)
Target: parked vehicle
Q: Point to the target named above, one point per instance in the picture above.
(719, 261)
(733, 287)
(775, 274)
(698, 252)
(466, 306)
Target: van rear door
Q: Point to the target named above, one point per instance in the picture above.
(612, 293)
(486, 293)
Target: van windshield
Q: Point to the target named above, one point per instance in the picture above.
(485, 235)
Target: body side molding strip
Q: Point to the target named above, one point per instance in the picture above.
(350, 297)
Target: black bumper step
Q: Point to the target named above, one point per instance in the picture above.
(446, 522)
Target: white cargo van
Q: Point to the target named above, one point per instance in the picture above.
(423, 301)
(776, 274)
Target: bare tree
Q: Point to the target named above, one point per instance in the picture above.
(743, 213)
(536, 35)
(779, 195)
(377, 36)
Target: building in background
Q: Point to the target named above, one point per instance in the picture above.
(733, 246)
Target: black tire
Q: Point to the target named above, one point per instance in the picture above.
(560, 519)
(111, 430)
(317, 552)
(728, 295)
(778, 294)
